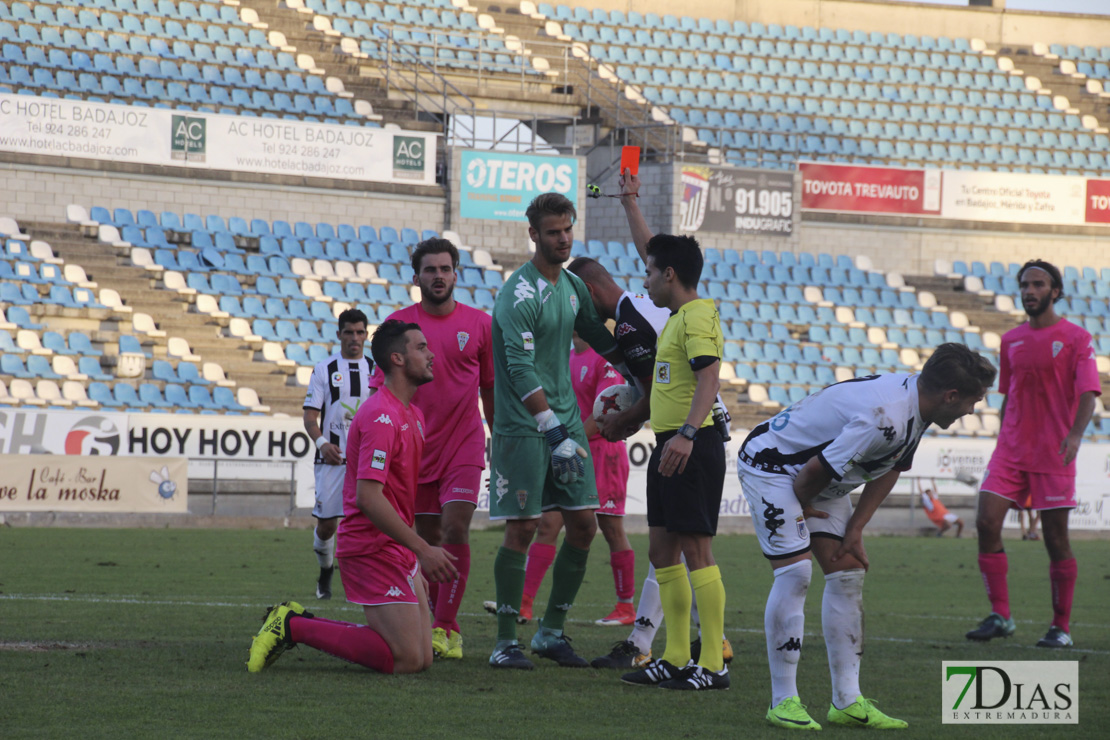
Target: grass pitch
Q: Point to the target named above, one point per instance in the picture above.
(144, 633)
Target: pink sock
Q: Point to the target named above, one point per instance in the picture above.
(624, 569)
(994, 566)
(540, 558)
(355, 643)
(450, 595)
(433, 593)
(1062, 573)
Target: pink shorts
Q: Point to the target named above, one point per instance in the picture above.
(458, 484)
(611, 472)
(1030, 490)
(381, 578)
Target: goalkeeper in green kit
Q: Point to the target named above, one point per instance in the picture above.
(539, 459)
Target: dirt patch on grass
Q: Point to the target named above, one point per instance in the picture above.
(43, 646)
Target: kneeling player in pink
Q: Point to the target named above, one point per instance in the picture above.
(451, 469)
(1050, 379)
(380, 555)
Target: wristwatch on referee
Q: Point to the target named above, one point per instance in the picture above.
(689, 431)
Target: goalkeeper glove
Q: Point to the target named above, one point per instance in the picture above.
(566, 455)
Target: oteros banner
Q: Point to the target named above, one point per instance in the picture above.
(121, 133)
(500, 185)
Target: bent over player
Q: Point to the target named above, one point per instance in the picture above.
(797, 470)
(380, 554)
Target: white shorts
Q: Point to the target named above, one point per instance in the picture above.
(782, 530)
(951, 518)
(329, 491)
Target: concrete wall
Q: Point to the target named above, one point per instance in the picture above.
(42, 193)
(993, 25)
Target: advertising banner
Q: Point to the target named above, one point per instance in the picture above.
(731, 200)
(1014, 198)
(120, 133)
(835, 187)
(1098, 202)
(94, 484)
(240, 443)
(500, 185)
(1000, 197)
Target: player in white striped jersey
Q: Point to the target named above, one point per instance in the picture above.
(797, 470)
(338, 386)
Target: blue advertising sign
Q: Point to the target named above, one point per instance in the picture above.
(500, 185)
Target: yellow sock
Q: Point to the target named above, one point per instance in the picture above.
(710, 591)
(675, 596)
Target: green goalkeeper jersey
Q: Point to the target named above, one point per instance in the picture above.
(533, 321)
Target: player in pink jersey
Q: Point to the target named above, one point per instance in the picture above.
(591, 374)
(380, 555)
(1048, 374)
(455, 453)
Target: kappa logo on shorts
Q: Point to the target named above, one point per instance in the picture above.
(501, 487)
(610, 505)
(770, 517)
(394, 592)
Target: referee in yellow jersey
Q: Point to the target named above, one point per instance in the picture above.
(686, 472)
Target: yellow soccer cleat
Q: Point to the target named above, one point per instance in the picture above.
(863, 713)
(791, 714)
(439, 642)
(726, 650)
(273, 639)
(454, 646)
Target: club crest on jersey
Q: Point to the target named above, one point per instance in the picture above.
(1056, 347)
(574, 303)
(463, 338)
(337, 378)
(582, 373)
(420, 428)
(800, 521)
(377, 462)
(662, 372)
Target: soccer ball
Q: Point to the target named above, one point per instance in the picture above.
(615, 399)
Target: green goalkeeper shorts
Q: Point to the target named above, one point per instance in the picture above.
(523, 485)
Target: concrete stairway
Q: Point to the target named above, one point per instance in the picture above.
(324, 50)
(172, 313)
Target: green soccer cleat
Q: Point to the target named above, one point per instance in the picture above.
(439, 642)
(791, 714)
(454, 646)
(273, 639)
(1055, 638)
(556, 647)
(863, 713)
(993, 626)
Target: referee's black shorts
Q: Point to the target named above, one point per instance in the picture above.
(688, 502)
